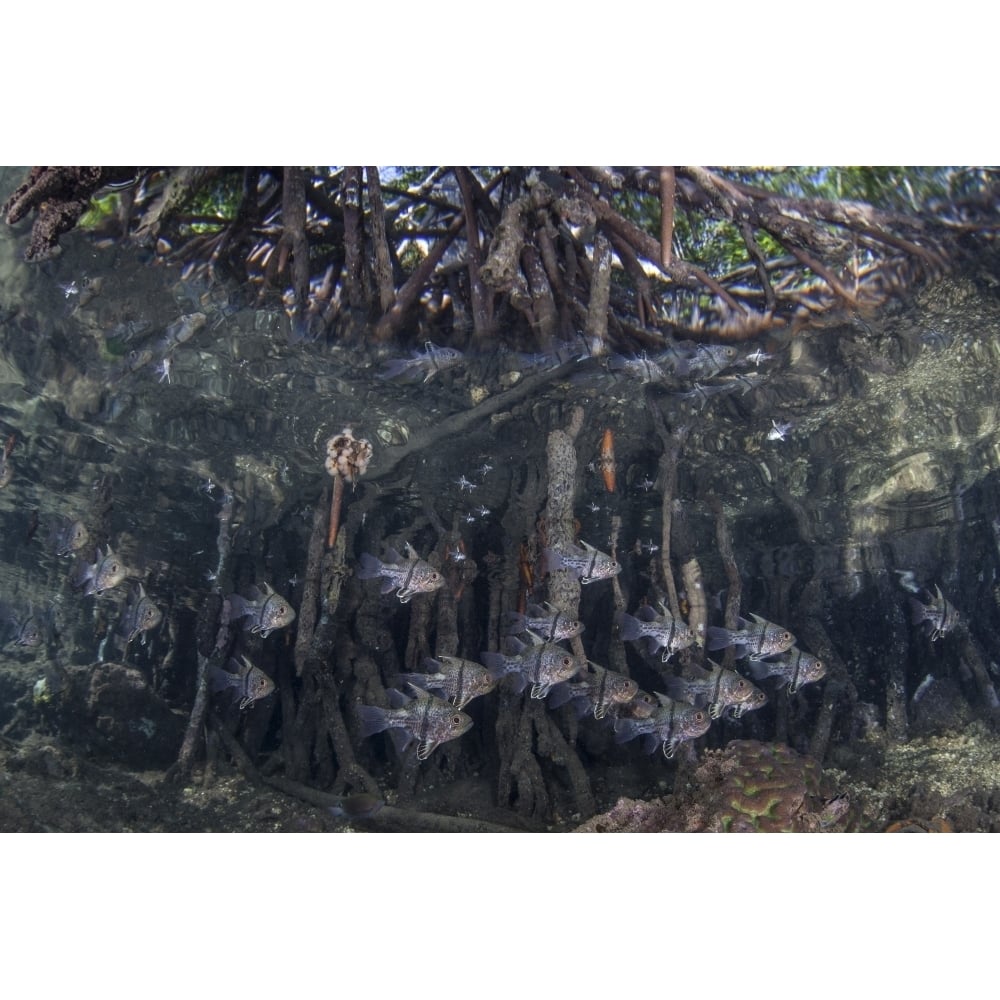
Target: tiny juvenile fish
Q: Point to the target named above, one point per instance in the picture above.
(639, 367)
(794, 667)
(543, 665)
(586, 563)
(672, 724)
(548, 622)
(424, 718)
(105, 572)
(406, 576)
(429, 362)
(662, 631)
(757, 638)
(67, 536)
(719, 689)
(458, 680)
(265, 610)
(141, 615)
(598, 690)
(939, 611)
(249, 681)
(705, 360)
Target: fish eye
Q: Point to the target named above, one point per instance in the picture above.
(456, 720)
(699, 716)
(567, 661)
(435, 576)
(741, 685)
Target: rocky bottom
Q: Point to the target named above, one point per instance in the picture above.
(929, 784)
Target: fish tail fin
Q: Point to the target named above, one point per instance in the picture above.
(369, 567)
(551, 561)
(626, 730)
(514, 623)
(719, 638)
(495, 663)
(559, 695)
(676, 688)
(373, 720)
(629, 628)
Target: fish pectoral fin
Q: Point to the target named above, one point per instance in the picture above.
(425, 749)
(715, 709)
(540, 690)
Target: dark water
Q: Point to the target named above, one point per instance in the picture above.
(889, 466)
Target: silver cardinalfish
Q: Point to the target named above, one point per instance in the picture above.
(584, 562)
(939, 611)
(424, 718)
(597, 691)
(249, 681)
(757, 638)
(24, 632)
(67, 536)
(265, 610)
(548, 622)
(719, 689)
(543, 664)
(672, 724)
(428, 362)
(141, 615)
(662, 631)
(105, 572)
(406, 576)
(458, 680)
(794, 667)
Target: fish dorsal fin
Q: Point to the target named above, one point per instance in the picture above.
(663, 699)
(418, 692)
(588, 548)
(758, 619)
(536, 639)
(432, 665)
(392, 556)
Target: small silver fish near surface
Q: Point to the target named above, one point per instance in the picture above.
(428, 362)
(672, 724)
(458, 680)
(249, 681)
(938, 610)
(406, 576)
(428, 720)
(67, 536)
(585, 562)
(547, 621)
(662, 631)
(141, 615)
(106, 572)
(265, 610)
(718, 688)
(542, 664)
(794, 667)
(757, 638)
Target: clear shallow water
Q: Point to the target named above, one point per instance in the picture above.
(889, 465)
